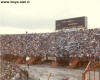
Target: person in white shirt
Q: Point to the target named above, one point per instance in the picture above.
(27, 58)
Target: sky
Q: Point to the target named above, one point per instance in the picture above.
(40, 15)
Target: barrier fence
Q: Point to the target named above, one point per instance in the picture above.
(92, 71)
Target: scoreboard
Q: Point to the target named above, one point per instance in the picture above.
(79, 22)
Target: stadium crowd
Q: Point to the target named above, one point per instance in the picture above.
(83, 42)
(9, 71)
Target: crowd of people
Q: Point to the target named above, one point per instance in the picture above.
(83, 42)
(9, 71)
